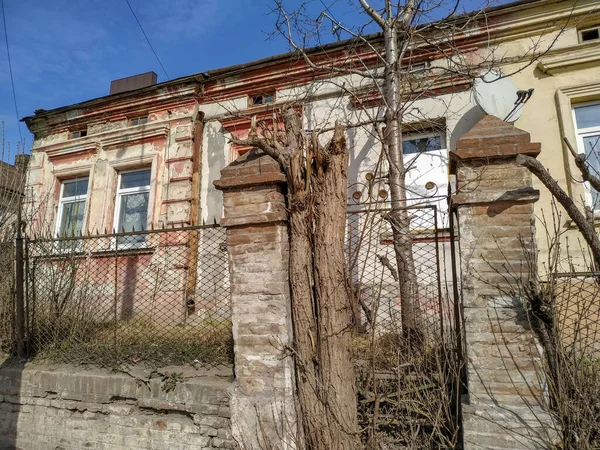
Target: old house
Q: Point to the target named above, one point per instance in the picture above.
(126, 265)
(146, 155)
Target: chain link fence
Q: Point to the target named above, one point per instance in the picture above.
(7, 297)
(373, 274)
(158, 297)
(577, 314)
(406, 381)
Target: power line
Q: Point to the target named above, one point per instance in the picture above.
(12, 80)
(147, 40)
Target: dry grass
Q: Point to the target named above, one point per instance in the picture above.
(133, 341)
(406, 393)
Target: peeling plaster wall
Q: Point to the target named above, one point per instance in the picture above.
(61, 407)
(214, 158)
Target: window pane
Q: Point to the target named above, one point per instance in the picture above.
(135, 179)
(71, 221)
(143, 120)
(75, 187)
(592, 153)
(134, 212)
(419, 145)
(588, 116)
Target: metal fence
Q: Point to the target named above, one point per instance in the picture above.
(374, 278)
(7, 297)
(159, 297)
(406, 380)
(576, 313)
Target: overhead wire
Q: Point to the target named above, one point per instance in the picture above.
(147, 40)
(12, 80)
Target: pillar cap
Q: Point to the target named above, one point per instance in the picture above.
(251, 169)
(494, 138)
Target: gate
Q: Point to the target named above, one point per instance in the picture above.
(408, 383)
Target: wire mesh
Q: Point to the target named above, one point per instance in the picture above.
(159, 297)
(7, 297)
(406, 380)
(372, 271)
(577, 314)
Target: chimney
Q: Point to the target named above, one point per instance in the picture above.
(21, 162)
(132, 83)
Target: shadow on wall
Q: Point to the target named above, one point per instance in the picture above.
(466, 122)
(11, 371)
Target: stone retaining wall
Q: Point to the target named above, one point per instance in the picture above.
(68, 408)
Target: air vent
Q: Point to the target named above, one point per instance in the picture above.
(589, 34)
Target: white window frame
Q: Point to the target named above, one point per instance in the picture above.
(581, 133)
(120, 192)
(583, 30)
(63, 201)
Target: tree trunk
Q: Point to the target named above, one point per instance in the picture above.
(399, 217)
(321, 301)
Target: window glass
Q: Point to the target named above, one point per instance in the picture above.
(420, 145)
(587, 121)
(135, 179)
(591, 144)
(75, 187)
(134, 211)
(71, 222)
(132, 201)
(71, 207)
(588, 116)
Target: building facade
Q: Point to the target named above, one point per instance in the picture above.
(148, 157)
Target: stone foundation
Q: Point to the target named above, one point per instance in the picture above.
(68, 408)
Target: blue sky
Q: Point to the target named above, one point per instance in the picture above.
(68, 51)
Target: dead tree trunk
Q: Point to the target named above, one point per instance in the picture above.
(321, 301)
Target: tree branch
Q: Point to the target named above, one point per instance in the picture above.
(580, 162)
(379, 20)
(586, 227)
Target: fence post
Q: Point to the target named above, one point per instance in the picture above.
(19, 287)
(263, 407)
(494, 201)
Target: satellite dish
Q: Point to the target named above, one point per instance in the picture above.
(498, 96)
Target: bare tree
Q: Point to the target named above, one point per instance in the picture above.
(397, 68)
(393, 68)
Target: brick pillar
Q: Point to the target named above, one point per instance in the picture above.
(505, 406)
(262, 399)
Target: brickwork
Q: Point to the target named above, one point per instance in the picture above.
(505, 408)
(262, 397)
(69, 408)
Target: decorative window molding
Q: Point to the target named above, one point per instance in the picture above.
(132, 207)
(566, 98)
(71, 214)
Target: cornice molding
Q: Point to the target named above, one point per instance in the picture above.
(135, 134)
(570, 57)
(93, 143)
(58, 150)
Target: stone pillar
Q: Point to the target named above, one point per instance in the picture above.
(505, 406)
(263, 412)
